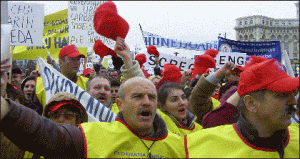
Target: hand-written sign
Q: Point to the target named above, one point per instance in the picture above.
(81, 26)
(27, 21)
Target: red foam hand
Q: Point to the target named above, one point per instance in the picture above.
(102, 50)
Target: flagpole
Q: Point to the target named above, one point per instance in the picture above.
(143, 35)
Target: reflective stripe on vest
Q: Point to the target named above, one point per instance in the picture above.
(40, 90)
(225, 142)
(115, 140)
(171, 125)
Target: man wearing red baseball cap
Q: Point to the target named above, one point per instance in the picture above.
(267, 98)
(69, 61)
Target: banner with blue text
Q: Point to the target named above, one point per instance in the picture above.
(270, 49)
(55, 82)
(158, 41)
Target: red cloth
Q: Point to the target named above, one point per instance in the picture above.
(141, 58)
(102, 50)
(152, 50)
(145, 73)
(211, 52)
(225, 114)
(109, 23)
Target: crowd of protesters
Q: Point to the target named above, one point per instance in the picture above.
(233, 112)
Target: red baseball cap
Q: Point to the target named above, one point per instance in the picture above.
(268, 75)
(70, 51)
(202, 63)
(109, 23)
(102, 50)
(86, 72)
(57, 105)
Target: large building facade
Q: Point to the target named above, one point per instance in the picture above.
(261, 28)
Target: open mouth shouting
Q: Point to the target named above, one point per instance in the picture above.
(145, 114)
(182, 111)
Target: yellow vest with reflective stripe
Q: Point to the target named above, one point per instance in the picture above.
(171, 125)
(224, 142)
(40, 90)
(116, 140)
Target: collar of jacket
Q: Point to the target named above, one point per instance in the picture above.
(160, 128)
(190, 117)
(277, 141)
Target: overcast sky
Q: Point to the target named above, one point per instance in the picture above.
(194, 21)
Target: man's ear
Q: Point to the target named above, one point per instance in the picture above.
(120, 104)
(250, 103)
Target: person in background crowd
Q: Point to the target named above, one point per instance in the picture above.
(63, 108)
(201, 101)
(102, 70)
(69, 61)
(156, 69)
(186, 75)
(16, 77)
(137, 129)
(226, 87)
(99, 87)
(27, 87)
(155, 79)
(172, 103)
(267, 98)
(115, 85)
(114, 74)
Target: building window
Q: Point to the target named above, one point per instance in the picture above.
(241, 23)
(283, 31)
(283, 24)
(287, 31)
(276, 24)
(279, 38)
(246, 37)
(295, 47)
(251, 21)
(251, 37)
(263, 22)
(290, 24)
(245, 22)
(277, 31)
(241, 37)
(272, 37)
(295, 37)
(286, 38)
(271, 23)
(267, 22)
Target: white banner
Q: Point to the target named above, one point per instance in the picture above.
(27, 20)
(158, 41)
(81, 26)
(55, 82)
(185, 63)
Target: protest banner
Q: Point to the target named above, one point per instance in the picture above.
(270, 49)
(159, 41)
(27, 23)
(55, 36)
(5, 43)
(185, 63)
(55, 82)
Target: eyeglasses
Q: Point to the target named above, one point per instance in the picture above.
(67, 115)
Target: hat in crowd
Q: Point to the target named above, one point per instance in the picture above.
(70, 51)
(141, 58)
(152, 50)
(16, 71)
(109, 23)
(268, 75)
(28, 78)
(62, 99)
(86, 72)
(202, 63)
(211, 52)
(171, 74)
(102, 50)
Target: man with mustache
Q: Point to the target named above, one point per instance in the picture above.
(267, 98)
(69, 62)
(137, 131)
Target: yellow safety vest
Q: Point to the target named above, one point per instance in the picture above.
(28, 154)
(226, 142)
(116, 140)
(171, 125)
(115, 108)
(40, 90)
(216, 103)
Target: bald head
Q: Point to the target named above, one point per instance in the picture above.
(133, 81)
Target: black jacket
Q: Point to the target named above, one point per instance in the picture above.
(43, 137)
